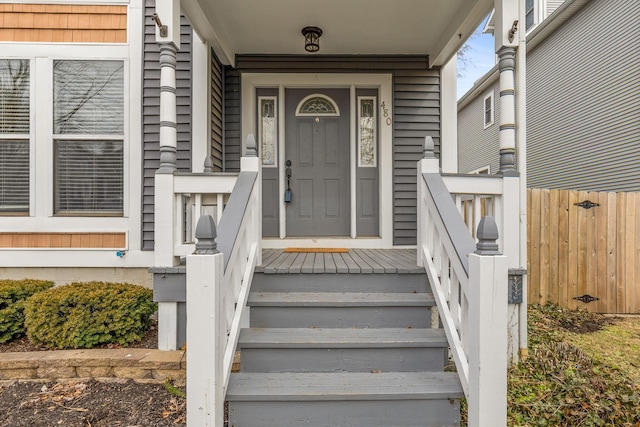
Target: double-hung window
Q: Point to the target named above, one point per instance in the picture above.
(530, 13)
(15, 123)
(88, 137)
(488, 110)
(86, 117)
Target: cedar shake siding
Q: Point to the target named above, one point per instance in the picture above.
(50, 23)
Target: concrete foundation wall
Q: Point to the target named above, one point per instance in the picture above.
(62, 276)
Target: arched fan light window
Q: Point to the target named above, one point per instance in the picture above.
(317, 105)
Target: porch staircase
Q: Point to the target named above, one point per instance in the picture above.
(341, 349)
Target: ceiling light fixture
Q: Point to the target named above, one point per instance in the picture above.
(311, 38)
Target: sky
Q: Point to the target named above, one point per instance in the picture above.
(480, 59)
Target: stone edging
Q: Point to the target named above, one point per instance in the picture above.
(147, 365)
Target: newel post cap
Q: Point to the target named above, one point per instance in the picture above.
(429, 148)
(208, 165)
(252, 147)
(487, 237)
(206, 234)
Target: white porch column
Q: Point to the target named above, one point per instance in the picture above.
(510, 42)
(449, 137)
(506, 40)
(507, 69)
(167, 19)
(201, 105)
(168, 125)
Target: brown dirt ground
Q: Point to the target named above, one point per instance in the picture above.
(88, 403)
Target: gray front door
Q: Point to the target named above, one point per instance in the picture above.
(317, 145)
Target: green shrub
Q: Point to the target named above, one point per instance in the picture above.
(86, 314)
(13, 294)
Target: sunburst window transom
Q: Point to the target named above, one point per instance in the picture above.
(317, 105)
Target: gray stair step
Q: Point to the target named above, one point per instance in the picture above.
(344, 399)
(342, 350)
(340, 283)
(340, 310)
(343, 386)
(339, 299)
(341, 338)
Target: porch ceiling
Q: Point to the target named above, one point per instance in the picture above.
(366, 27)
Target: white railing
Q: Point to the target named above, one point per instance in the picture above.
(197, 195)
(180, 200)
(478, 195)
(469, 284)
(218, 283)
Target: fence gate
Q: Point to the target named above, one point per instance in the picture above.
(584, 249)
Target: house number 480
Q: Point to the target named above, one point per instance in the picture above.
(385, 113)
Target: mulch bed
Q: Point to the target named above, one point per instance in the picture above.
(88, 403)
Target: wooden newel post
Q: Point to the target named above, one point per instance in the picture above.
(206, 341)
(488, 275)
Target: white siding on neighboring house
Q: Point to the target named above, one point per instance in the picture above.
(477, 145)
(551, 6)
(583, 101)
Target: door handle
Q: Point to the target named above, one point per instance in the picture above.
(287, 193)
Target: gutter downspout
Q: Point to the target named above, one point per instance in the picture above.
(521, 150)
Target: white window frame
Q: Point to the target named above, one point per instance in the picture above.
(41, 57)
(484, 110)
(41, 217)
(88, 138)
(534, 12)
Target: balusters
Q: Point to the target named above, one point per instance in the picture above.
(445, 279)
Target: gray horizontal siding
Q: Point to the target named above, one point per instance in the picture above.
(217, 113)
(584, 102)
(151, 114)
(232, 123)
(479, 147)
(416, 114)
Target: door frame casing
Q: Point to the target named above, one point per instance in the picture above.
(383, 82)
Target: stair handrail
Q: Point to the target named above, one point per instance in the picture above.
(219, 277)
(469, 284)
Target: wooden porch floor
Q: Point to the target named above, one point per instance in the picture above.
(354, 261)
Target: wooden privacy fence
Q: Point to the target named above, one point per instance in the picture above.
(589, 249)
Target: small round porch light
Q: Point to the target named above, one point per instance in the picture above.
(311, 38)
